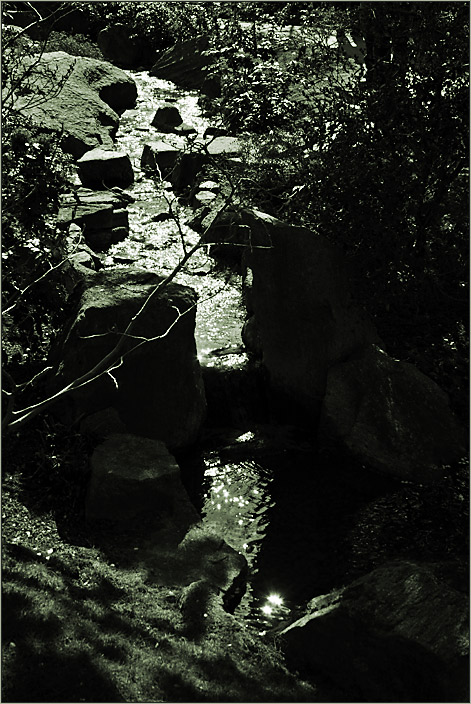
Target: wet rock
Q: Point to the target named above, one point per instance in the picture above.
(399, 634)
(303, 309)
(390, 416)
(157, 389)
(82, 98)
(99, 168)
(134, 478)
(209, 186)
(116, 46)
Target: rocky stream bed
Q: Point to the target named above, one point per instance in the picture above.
(348, 566)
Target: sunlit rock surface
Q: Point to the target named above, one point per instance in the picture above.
(81, 99)
(390, 416)
(399, 634)
(157, 389)
(101, 169)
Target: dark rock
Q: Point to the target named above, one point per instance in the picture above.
(135, 478)
(98, 214)
(116, 46)
(101, 240)
(211, 86)
(300, 296)
(399, 634)
(102, 424)
(99, 168)
(252, 338)
(81, 99)
(187, 168)
(167, 117)
(216, 132)
(390, 416)
(160, 155)
(157, 389)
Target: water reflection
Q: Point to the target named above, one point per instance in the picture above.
(237, 499)
(242, 490)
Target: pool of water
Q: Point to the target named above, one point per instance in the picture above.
(296, 516)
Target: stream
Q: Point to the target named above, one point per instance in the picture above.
(296, 516)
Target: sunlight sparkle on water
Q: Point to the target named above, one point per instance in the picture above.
(275, 599)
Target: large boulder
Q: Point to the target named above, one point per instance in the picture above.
(305, 318)
(99, 168)
(157, 389)
(391, 416)
(399, 634)
(136, 479)
(188, 65)
(79, 98)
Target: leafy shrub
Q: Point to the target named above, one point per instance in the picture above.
(155, 26)
(375, 158)
(34, 171)
(74, 44)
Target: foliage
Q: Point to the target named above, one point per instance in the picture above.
(155, 25)
(34, 170)
(74, 44)
(372, 155)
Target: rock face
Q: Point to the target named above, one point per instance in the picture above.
(182, 167)
(82, 99)
(157, 389)
(391, 416)
(160, 155)
(188, 66)
(134, 478)
(399, 634)
(100, 215)
(304, 315)
(99, 168)
(116, 45)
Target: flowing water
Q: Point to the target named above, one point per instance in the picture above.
(295, 516)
